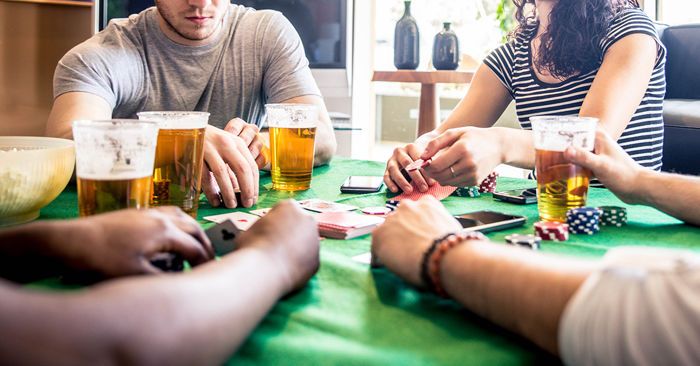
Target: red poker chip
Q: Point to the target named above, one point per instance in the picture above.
(377, 210)
(555, 231)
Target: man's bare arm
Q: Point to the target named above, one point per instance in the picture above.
(69, 107)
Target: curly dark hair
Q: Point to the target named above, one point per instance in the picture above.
(571, 43)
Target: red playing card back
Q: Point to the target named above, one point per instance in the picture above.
(437, 191)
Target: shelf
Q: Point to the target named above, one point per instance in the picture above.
(85, 4)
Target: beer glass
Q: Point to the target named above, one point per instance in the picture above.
(114, 163)
(292, 139)
(561, 185)
(177, 172)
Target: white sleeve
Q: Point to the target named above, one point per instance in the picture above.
(641, 308)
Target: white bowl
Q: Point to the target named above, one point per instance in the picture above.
(33, 172)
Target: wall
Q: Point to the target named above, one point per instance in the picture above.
(33, 37)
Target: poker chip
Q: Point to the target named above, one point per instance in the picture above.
(584, 220)
(555, 231)
(613, 216)
(471, 192)
(524, 240)
(376, 210)
(488, 185)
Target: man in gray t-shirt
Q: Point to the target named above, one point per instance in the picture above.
(225, 59)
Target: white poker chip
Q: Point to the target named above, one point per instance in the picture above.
(376, 210)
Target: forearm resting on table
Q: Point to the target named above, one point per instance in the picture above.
(676, 195)
(195, 318)
(521, 291)
(31, 252)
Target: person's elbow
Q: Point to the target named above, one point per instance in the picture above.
(326, 147)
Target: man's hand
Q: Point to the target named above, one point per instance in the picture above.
(229, 167)
(463, 156)
(401, 157)
(121, 243)
(290, 237)
(403, 238)
(251, 136)
(611, 165)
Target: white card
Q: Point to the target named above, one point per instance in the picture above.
(242, 220)
(261, 212)
(364, 258)
(318, 205)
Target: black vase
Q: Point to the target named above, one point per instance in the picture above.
(406, 41)
(446, 49)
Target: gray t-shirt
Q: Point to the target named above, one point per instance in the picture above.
(258, 58)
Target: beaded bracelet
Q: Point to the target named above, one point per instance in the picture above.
(430, 265)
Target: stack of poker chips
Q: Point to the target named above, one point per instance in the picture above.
(583, 220)
(489, 184)
(555, 231)
(528, 241)
(613, 216)
(472, 192)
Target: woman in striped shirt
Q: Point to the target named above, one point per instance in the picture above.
(595, 58)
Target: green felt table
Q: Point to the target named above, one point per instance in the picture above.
(351, 315)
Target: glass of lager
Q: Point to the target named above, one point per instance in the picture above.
(177, 172)
(561, 185)
(292, 140)
(114, 163)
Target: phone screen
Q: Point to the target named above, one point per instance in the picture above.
(363, 182)
(486, 221)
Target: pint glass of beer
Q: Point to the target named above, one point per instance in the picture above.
(292, 139)
(177, 172)
(560, 185)
(114, 163)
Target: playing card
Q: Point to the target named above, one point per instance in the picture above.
(318, 205)
(223, 237)
(418, 164)
(437, 191)
(261, 212)
(368, 258)
(242, 220)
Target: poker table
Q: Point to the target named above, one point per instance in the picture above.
(350, 314)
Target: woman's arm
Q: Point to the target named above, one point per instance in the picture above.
(621, 82)
(485, 101)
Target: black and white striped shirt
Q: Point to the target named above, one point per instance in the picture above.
(643, 137)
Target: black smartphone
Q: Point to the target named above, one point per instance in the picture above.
(519, 196)
(487, 221)
(362, 184)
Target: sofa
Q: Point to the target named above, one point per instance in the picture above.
(682, 101)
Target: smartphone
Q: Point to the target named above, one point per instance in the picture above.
(519, 196)
(362, 184)
(487, 221)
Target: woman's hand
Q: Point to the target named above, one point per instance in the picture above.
(406, 234)
(463, 157)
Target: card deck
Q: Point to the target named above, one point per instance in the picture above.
(437, 191)
(346, 225)
(318, 205)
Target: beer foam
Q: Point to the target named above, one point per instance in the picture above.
(559, 133)
(177, 120)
